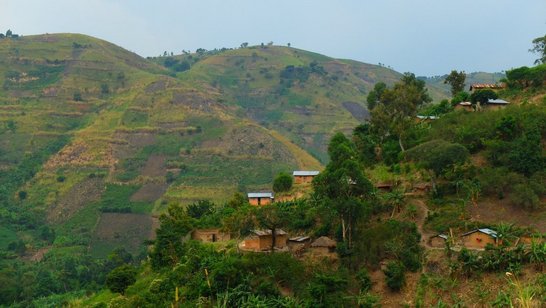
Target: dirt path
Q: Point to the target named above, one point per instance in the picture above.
(420, 222)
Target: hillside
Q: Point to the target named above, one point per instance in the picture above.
(437, 82)
(303, 95)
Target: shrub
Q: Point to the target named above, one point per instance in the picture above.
(395, 276)
(120, 278)
(283, 182)
(364, 279)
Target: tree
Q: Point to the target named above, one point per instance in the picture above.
(343, 185)
(460, 97)
(283, 182)
(539, 47)
(9, 33)
(200, 208)
(481, 97)
(120, 278)
(397, 108)
(456, 81)
(168, 246)
(244, 45)
(375, 95)
(271, 218)
(366, 142)
(438, 156)
(395, 276)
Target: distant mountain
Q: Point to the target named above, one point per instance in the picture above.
(437, 82)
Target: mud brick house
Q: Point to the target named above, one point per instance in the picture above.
(323, 246)
(262, 240)
(261, 198)
(479, 238)
(304, 176)
(210, 235)
(438, 240)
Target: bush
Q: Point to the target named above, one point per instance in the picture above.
(364, 280)
(395, 276)
(283, 182)
(120, 278)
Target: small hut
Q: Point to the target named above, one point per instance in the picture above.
(479, 238)
(323, 246)
(260, 198)
(261, 240)
(210, 235)
(304, 176)
(298, 243)
(438, 240)
(464, 106)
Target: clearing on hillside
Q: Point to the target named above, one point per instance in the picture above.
(121, 230)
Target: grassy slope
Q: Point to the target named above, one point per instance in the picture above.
(308, 110)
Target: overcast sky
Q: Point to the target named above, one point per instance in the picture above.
(427, 37)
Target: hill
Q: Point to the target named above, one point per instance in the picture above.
(303, 95)
(437, 82)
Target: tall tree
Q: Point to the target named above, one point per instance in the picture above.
(456, 81)
(539, 47)
(398, 106)
(343, 185)
(375, 95)
(271, 218)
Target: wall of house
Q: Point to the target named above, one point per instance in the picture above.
(478, 240)
(437, 242)
(265, 201)
(252, 243)
(253, 201)
(210, 235)
(302, 179)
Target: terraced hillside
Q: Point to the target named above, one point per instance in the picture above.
(303, 95)
(90, 130)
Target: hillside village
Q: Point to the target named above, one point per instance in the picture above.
(162, 182)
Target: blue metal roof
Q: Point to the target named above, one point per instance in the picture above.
(305, 173)
(261, 195)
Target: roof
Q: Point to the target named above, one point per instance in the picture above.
(465, 103)
(497, 101)
(487, 231)
(423, 117)
(487, 86)
(384, 185)
(324, 241)
(268, 232)
(261, 195)
(299, 239)
(443, 236)
(305, 173)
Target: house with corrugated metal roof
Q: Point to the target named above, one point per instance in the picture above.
(301, 176)
(260, 198)
(479, 238)
(482, 86)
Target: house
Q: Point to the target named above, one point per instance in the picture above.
(479, 238)
(482, 86)
(299, 243)
(323, 246)
(438, 240)
(261, 240)
(421, 187)
(464, 106)
(496, 104)
(304, 176)
(210, 235)
(261, 198)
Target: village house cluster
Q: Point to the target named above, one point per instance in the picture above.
(277, 240)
